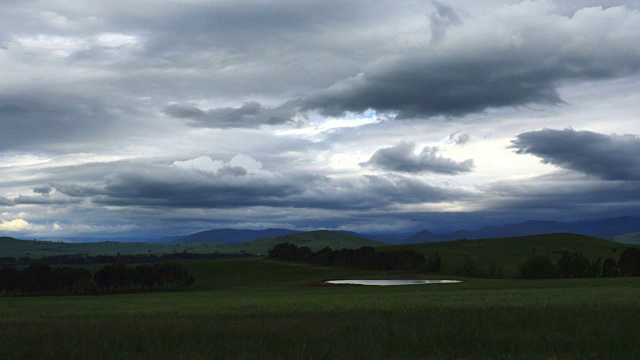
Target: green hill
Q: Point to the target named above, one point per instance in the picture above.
(10, 247)
(633, 238)
(508, 253)
(315, 240)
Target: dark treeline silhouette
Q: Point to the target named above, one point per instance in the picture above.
(77, 259)
(576, 265)
(364, 258)
(42, 279)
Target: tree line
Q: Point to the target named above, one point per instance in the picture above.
(83, 259)
(42, 279)
(365, 257)
(576, 265)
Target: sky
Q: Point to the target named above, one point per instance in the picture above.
(169, 117)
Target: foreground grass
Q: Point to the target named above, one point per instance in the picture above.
(287, 313)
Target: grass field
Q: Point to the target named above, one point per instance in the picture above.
(262, 309)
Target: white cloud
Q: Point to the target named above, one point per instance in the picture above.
(202, 163)
(15, 225)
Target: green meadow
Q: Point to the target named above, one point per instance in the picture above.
(262, 309)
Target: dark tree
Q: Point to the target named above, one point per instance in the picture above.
(609, 268)
(629, 262)
(538, 267)
(434, 262)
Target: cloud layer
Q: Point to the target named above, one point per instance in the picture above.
(172, 117)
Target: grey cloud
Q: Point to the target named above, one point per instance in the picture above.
(250, 115)
(611, 157)
(43, 190)
(372, 193)
(527, 55)
(401, 158)
(5, 202)
(43, 200)
(444, 17)
(165, 186)
(162, 186)
(458, 138)
(44, 120)
(565, 194)
(76, 190)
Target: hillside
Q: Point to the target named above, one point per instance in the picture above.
(233, 236)
(633, 238)
(315, 240)
(509, 252)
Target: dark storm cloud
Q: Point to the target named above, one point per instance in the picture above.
(562, 194)
(169, 186)
(522, 60)
(401, 158)
(250, 115)
(611, 157)
(164, 186)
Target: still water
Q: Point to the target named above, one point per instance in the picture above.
(390, 282)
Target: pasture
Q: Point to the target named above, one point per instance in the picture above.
(262, 309)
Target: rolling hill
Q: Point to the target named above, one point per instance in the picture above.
(509, 252)
(605, 228)
(233, 236)
(315, 240)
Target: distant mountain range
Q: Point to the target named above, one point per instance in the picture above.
(606, 229)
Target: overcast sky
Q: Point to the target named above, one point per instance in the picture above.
(167, 117)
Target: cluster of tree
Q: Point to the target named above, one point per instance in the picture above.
(78, 259)
(119, 277)
(364, 258)
(471, 268)
(42, 279)
(576, 265)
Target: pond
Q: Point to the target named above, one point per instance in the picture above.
(390, 282)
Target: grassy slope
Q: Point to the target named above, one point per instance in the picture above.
(509, 253)
(315, 240)
(261, 309)
(633, 238)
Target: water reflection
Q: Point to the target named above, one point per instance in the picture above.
(390, 282)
